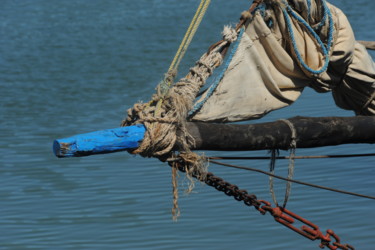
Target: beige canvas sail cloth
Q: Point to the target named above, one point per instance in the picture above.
(265, 75)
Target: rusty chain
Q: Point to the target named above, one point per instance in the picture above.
(281, 215)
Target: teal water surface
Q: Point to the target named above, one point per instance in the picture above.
(75, 66)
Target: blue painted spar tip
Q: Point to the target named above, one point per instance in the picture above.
(100, 142)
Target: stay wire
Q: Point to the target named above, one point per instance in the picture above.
(291, 180)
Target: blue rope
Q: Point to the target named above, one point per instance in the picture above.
(324, 19)
(308, 10)
(325, 49)
(261, 8)
(326, 12)
(214, 85)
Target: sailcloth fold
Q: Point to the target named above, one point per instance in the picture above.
(278, 56)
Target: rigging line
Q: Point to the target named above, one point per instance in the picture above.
(193, 27)
(287, 157)
(168, 80)
(193, 31)
(187, 34)
(294, 181)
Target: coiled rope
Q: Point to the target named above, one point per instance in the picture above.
(290, 13)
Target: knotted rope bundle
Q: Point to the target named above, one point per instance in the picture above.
(165, 124)
(165, 115)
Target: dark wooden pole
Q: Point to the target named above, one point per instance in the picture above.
(310, 132)
(368, 44)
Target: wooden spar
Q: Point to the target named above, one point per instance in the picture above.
(368, 44)
(310, 132)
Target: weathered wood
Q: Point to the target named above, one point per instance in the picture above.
(100, 142)
(310, 132)
(368, 44)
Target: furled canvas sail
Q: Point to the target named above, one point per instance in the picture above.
(285, 47)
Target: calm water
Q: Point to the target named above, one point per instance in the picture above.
(69, 67)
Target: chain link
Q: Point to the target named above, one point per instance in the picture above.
(280, 214)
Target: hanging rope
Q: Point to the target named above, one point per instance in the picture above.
(274, 155)
(292, 148)
(165, 115)
(175, 208)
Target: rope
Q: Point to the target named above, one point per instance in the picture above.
(308, 10)
(175, 208)
(274, 155)
(214, 85)
(171, 74)
(293, 146)
(165, 115)
(288, 13)
(194, 25)
(294, 181)
(168, 80)
(168, 130)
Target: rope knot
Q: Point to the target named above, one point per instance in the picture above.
(171, 75)
(229, 34)
(166, 83)
(246, 15)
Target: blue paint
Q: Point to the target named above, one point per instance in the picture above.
(100, 142)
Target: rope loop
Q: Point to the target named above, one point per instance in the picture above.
(289, 13)
(291, 166)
